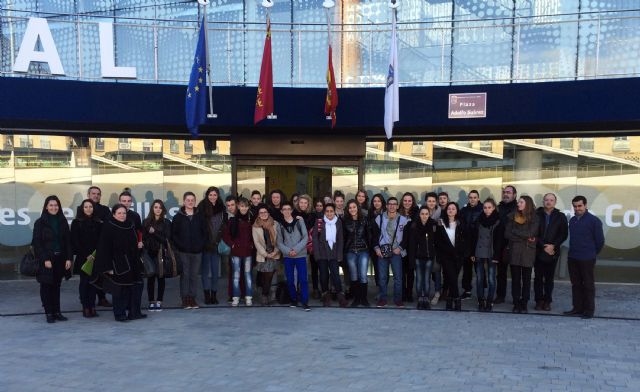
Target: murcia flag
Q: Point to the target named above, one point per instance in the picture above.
(391, 94)
(331, 102)
(264, 97)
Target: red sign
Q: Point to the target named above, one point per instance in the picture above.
(469, 105)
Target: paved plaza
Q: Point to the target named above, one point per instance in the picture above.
(283, 349)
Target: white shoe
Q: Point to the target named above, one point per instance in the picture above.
(436, 298)
(235, 301)
(158, 306)
(248, 301)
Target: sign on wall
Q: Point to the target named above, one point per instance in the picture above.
(468, 105)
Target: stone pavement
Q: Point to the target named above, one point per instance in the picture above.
(283, 349)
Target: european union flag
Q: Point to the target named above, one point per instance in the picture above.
(196, 100)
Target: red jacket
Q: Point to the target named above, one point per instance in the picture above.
(242, 245)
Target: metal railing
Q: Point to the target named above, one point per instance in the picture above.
(471, 51)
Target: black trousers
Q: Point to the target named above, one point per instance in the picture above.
(467, 274)
(501, 279)
(543, 280)
(87, 292)
(50, 293)
(451, 269)
(520, 283)
(408, 279)
(376, 275)
(314, 272)
(329, 267)
(121, 296)
(135, 299)
(583, 285)
(151, 288)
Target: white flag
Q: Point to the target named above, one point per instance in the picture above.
(391, 94)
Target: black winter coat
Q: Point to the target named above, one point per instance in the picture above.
(43, 240)
(556, 233)
(161, 234)
(85, 234)
(118, 252)
(422, 239)
(189, 233)
(447, 251)
(356, 235)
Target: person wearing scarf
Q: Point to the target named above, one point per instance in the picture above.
(486, 252)
(328, 244)
(238, 235)
(267, 254)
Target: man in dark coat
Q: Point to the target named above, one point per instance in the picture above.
(506, 207)
(553, 231)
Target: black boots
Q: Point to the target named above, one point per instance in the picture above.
(458, 304)
(214, 298)
(50, 318)
(355, 290)
(488, 307)
(449, 303)
(423, 303)
(482, 305)
(364, 290)
(207, 297)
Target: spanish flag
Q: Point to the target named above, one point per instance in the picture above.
(331, 102)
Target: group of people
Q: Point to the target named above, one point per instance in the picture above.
(433, 242)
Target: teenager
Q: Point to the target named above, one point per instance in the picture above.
(486, 252)
(292, 240)
(521, 231)
(328, 245)
(85, 234)
(51, 244)
(267, 253)
(377, 207)
(452, 248)
(317, 215)
(362, 198)
(215, 217)
(431, 201)
(356, 246)
(469, 215)
(421, 253)
(117, 267)
(274, 202)
(189, 234)
(156, 234)
(390, 246)
(408, 209)
(238, 235)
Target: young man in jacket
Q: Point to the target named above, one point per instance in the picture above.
(103, 214)
(585, 242)
(552, 233)
(291, 239)
(506, 207)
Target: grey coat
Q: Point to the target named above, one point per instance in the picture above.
(521, 252)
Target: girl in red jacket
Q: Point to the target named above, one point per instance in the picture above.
(238, 235)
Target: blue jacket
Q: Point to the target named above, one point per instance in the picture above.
(586, 237)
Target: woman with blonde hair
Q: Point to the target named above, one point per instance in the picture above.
(267, 252)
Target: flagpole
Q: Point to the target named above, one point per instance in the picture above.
(211, 114)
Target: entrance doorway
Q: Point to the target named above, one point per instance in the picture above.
(313, 165)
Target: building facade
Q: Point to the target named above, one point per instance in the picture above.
(105, 105)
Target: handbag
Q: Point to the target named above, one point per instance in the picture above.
(29, 264)
(171, 266)
(44, 275)
(387, 249)
(150, 266)
(223, 248)
(87, 267)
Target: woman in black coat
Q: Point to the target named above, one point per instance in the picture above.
(452, 248)
(156, 233)
(52, 248)
(117, 266)
(85, 233)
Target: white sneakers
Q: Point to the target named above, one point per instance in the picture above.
(248, 301)
(436, 298)
(235, 301)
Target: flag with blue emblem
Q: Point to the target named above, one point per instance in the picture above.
(392, 93)
(196, 99)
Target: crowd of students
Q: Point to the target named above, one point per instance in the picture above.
(426, 245)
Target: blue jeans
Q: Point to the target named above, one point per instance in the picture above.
(396, 267)
(235, 262)
(210, 263)
(423, 276)
(358, 265)
(491, 278)
(300, 265)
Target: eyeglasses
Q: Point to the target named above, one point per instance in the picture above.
(286, 209)
(264, 212)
